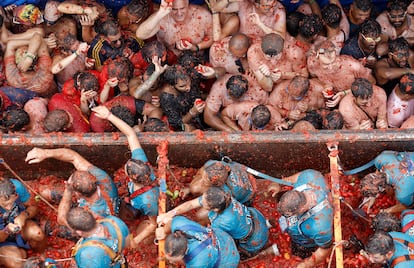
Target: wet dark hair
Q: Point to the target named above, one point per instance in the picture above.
(120, 68)
(174, 73)
(333, 120)
(14, 119)
(124, 114)
(84, 183)
(406, 85)
(292, 22)
(188, 59)
(34, 262)
(362, 88)
(109, 27)
(272, 44)
(396, 5)
(398, 44)
(379, 243)
(363, 5)
(155, 125)
(217, 173)
(372, 184)
(153, 48)
(67, 42)
(80, 219)
(138, 171)
(370, 26)
(260, 116)
(300, 82)
(85, 80)
(217, 198)
(56, 120)
(237, 85)
(176, 244)
(386, 222)
(291, 202)
(138, 8)
(7, 188)
(332, 15)
(314, 118)
(310, 25)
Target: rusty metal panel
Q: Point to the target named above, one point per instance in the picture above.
(277, 153)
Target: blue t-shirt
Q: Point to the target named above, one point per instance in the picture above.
(317, 229)
(401, 250)
(224, 248)
(407, 221)
(95, 257)
(239, 183)
(107, 191)
(399, 167)
(8, 216)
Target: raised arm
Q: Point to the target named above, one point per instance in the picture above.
(181, 209)
(151, 25)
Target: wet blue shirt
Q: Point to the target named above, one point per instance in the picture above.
(239, 183)
(399, 167)
(316, 230)
(401, 250)
(222, 245)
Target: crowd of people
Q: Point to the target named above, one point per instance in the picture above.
(215, 65)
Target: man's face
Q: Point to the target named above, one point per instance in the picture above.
(361, 102)
(115, 40)
(370, 40)
(397, 17)
(327, 56)
(377, 258)
(179, 10)
(238, 52)
(358, 15)
(183, 85)
(400, 57)
(265, 6)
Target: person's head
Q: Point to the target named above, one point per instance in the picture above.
(314, 118)
(397, 12)
(56, 121)
(216, 199)
(326, 53)
(380, 247)
(137, 10)
(370, 33)
(52, 14)
(123, 113)
(333, 120)
(112, 33)
(138, 171)
(188, 60)
(303, 126)
(177, 77)
(84, 183)
(265, 6)
(27, 15)
(331, 15)
(399, 51)
(120, 68)
(239, 43)
(85, 81)
(14, 119)
(292, 22)
(214, 172)
(360, 10)
(386, 222)
(34, 262)
(152, 49)
(236, 86)
(175, 246)
(272, 45)
(179, 10)
(81, 220)
(298, 87)
(155, 125)
(69, 43)
(362, 90)
(7, 192)
(373, 184)
(291, 203)
(406, 86)
(310, 26)
(260, 117)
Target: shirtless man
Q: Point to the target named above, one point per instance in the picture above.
(249, 115)
(227, 90)
(270, 64)
(132, 14)
(230, 54)
(400, 61)
(259, 17)
(400, 104)
(337, 72)
(336, 24)
(359, 11)
(293, 98)
(395, 22)
(366, 108)
(180, 26)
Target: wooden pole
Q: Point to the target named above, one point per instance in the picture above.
(162, 150)
(333, 157)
